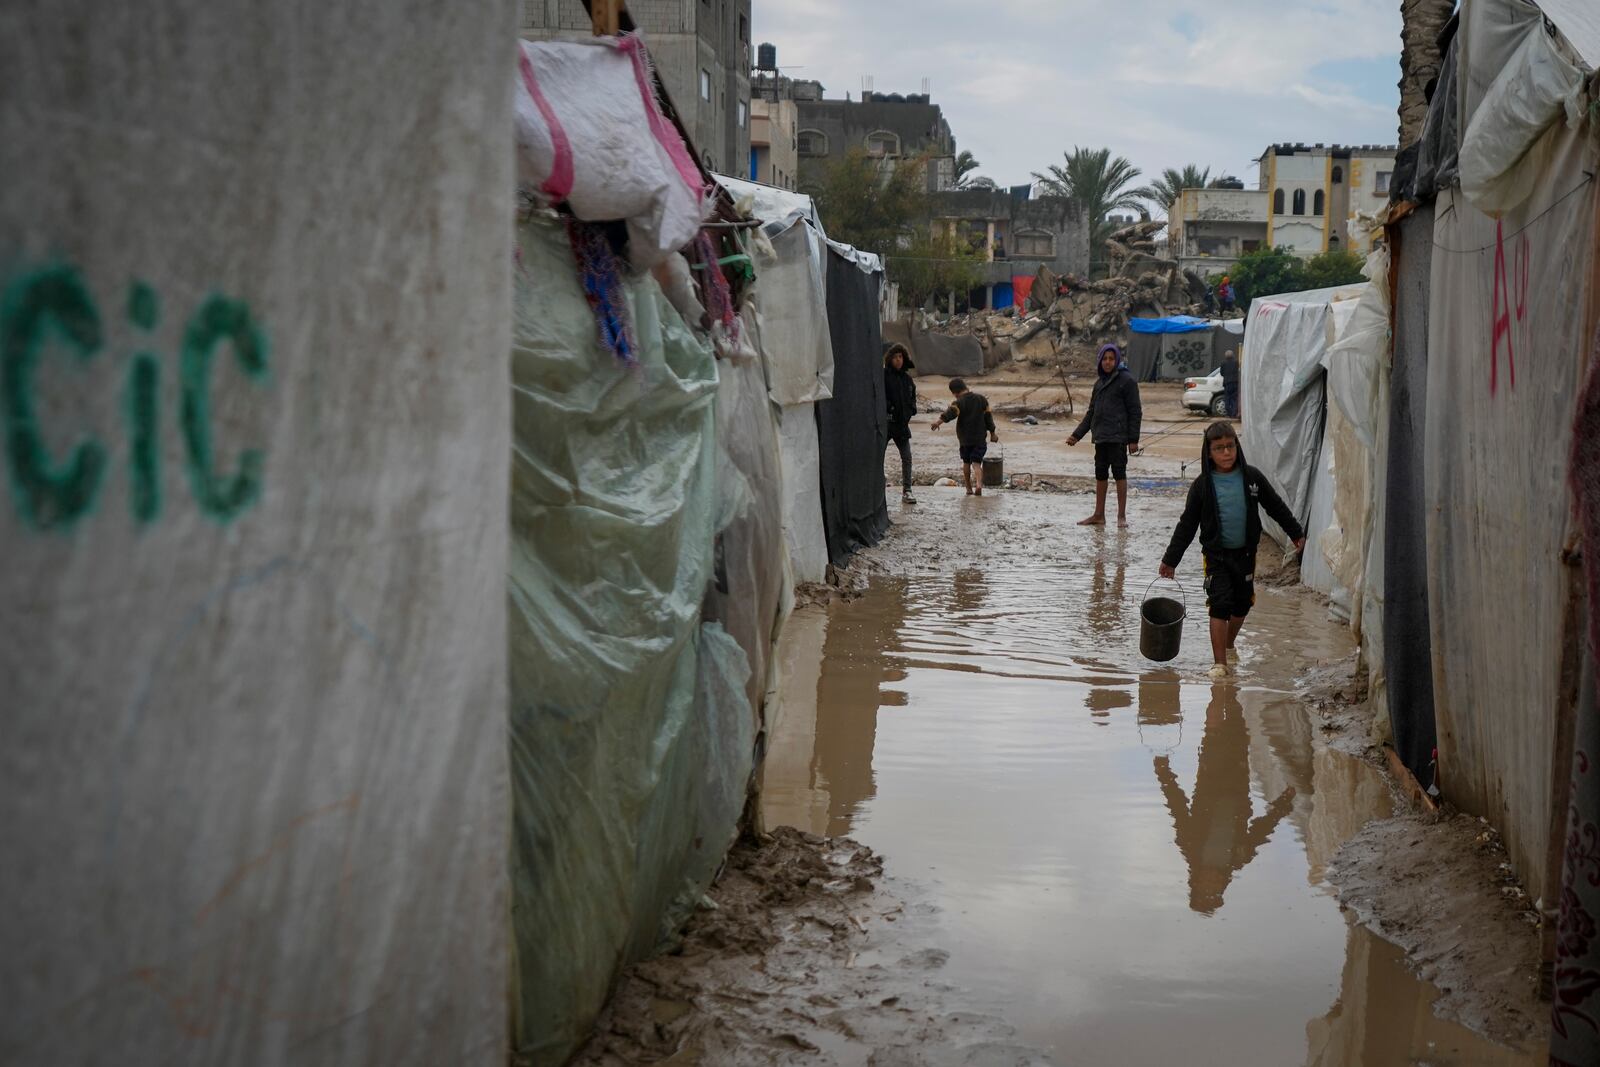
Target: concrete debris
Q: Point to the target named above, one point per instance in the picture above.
(1068, 318)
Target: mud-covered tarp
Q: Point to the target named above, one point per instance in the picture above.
(1143, 356)
(1283, 391)
(1407, 641)
(254, 787)
(853, 426)
(631, 731)
(1510, 301)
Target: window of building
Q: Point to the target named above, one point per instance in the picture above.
(1317, 201)
(1041, 245)
(1383, 180)
(742, 113)
(883, 143)
(1338, 175)
(1250, 246)
(1277, 202)
(812, 143)
(744, 29)
(705, 84)
(1299, 201)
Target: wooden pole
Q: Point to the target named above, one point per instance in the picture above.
(606, 16)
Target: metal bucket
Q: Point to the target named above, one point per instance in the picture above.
(1161, 624)
(994, 470)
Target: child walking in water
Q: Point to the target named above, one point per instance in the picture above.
(901, 393)
(970, 412)
(1224, 505)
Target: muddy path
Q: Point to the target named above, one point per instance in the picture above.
(1128, 863)
(1087, 858)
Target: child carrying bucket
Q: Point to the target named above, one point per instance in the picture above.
(1224, 505)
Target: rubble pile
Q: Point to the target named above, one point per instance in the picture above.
(1068, 318)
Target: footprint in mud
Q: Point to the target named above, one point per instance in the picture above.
(929, 959)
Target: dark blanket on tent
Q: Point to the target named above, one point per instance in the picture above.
(1407, 646)
(853, 426)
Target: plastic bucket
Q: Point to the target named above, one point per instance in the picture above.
(1161, 624)
(994, 470)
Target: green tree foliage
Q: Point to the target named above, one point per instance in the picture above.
(1334, 268)
(871, 202)
(1265, 272)
(1098, 182)
(1164, 190)
(966, 163)
(931, 265)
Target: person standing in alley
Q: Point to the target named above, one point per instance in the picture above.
(1230, 384)
(901, 390)
(1113, 419)
(1225, 294)
(970, 412)
(1224, 505)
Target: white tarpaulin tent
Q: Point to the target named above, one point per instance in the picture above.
(1283, 394)
(792, 308)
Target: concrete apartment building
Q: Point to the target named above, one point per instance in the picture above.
(888, 125)
(1317, 190)
(1209, 229)
(1307, 201)
(774, 143)
(701, 48)
(1016, 235)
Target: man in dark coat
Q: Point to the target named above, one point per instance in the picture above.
(901, 391)
(1230, 384)
(1113, 418)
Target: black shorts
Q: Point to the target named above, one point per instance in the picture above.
(899, 431)
(1230, 583)
(974, 453)
(1110, 460)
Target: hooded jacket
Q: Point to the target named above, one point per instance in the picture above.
(1114, 411)
(1201, 512)
(901, 390)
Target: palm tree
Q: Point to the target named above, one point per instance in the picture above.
(980, 182)
(1164, 190)
(1097, 182)
(966, 163)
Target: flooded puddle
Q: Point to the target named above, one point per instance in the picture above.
(1125, 860)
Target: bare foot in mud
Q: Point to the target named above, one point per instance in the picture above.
(1093, 520)
(1122, 524)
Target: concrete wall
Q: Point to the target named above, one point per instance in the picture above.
(257, 317)
(847, 124)
(1223, 205)
(772, 136)
(984, 212)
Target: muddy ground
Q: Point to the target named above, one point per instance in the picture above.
(801, 954)
(928, 710)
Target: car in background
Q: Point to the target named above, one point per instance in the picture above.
(1204, 395)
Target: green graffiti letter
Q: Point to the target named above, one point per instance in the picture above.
(144, 309)
(47, 496)
(144, 436)
(219, 319)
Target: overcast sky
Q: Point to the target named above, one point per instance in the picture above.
(1163, 82)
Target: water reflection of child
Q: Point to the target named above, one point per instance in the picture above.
(1224, 505)
(1216, 834)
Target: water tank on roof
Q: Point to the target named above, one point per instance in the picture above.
(767, 57)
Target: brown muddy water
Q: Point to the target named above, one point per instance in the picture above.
(1123, 860)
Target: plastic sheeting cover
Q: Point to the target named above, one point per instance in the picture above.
(803, 531)
(1510, 298)
(631, 731)
(853, 426)
(1171, 324)
(1538, 83)
(771, 204)
(254, 781)
(792, 299)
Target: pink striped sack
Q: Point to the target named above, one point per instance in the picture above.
(590, 133)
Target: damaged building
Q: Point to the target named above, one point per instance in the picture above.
(890, 126)
(1015, 235)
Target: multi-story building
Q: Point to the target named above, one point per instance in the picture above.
(1209, 229)
(888, 125)
(1317, 190)
(774, 143)
(1014, 234)
(702, 50)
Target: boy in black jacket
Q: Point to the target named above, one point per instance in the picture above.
(1224, 505)
(901, 393)
(970, 412)
(1113, 417)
